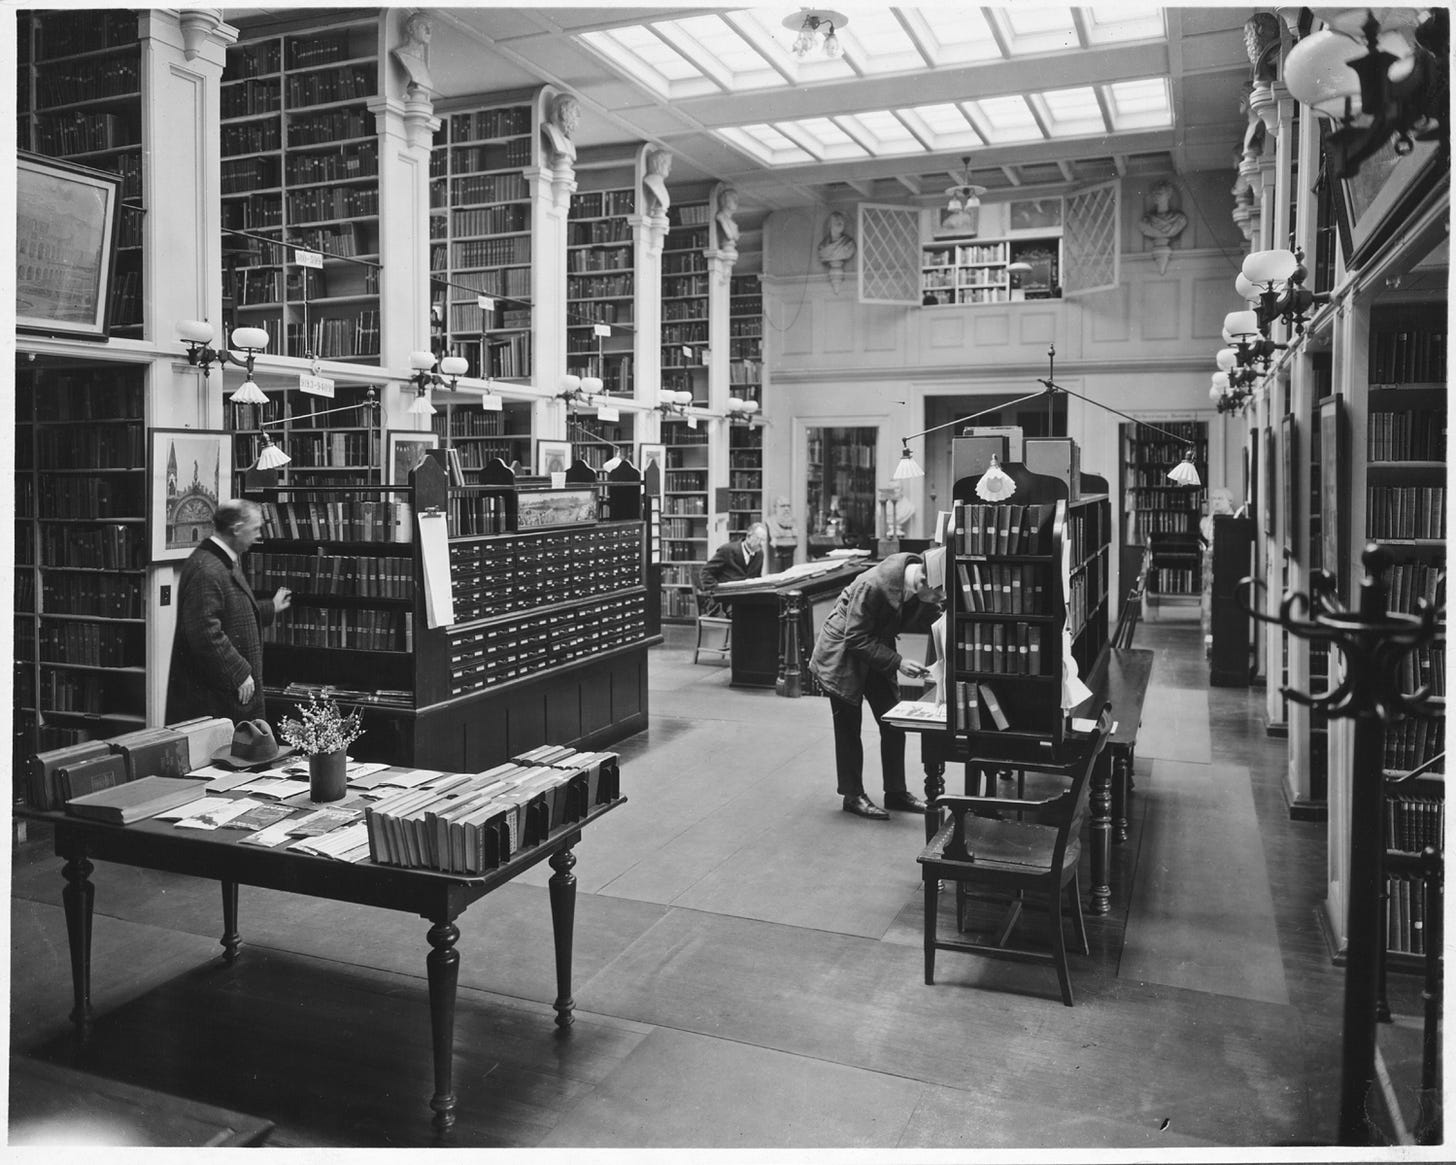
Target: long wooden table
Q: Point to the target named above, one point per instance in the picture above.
(775, 623)
(440, 898)
(1120, 676)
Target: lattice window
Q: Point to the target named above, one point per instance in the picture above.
(889, 254)
(1092, 240)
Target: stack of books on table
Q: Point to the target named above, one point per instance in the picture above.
(76, 770)
(469, 824)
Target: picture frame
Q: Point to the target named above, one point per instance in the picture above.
(404, 449)
(552, 457)
(181, 502)
(1333, 470)
(67, 224)
(1287, 436)
(537, 509)
(1268, 484)
(957, 224)
(650, 453)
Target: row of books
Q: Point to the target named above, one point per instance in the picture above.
(362, 629)
(344, 240)
(1407, 357)
(120, 78)
(360, 161)
(1410, 581)
(606, 230)
(253, 60)
(116, 596)
(1415, 511)
(1411, 742)
(343, 520)
(57, 775)
(109, 547)
(1414, 821)
(334, 126)
(491, 220)
(251, 137)
(111, 496)
(1412, 435)
(1174, 580)
(1002, 529)
(119, 445)
(600, 286)
(600, 203)
(1424, 665)
(531, 644)
(514, 250)
(321, 203)
(258, 213)
(675, 311)
(471, 824)
(514, 154)
(250, 97)
(485, 188)
(684, 262)
(685, 333)
(977, 708)
(339, 450)
(1147, 522)
(745, 330)
(92, 644)
(599, 259)
(59, 135)
(511, 282)
(66, 32)
(354, 575)
(1406, 914)
(1004, 588)
(326, 86)
(319, 48)
(471, 515)
(64, 690)
(1003, 648)
(480, 124)
(337, 337)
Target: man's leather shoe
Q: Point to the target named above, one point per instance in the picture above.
(905, 802)
(862, 806)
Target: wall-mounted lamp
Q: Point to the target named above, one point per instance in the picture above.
(579, 388)
(1376, 77)
(425, 377)
(1280, 276)
(270, 456)
(740, 410)
(197, 335)
(673, 402)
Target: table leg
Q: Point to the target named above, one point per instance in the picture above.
(443, 966)
(1121, 783)
(230, 939)
(79, 899)
(562, 890)
(1101, 806)
(934, 787)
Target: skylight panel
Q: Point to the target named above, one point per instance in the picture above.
(878, 42)
(1007, 119)
(1134, 22)
(881, 133)
(1140, 104)
(721, 51)
(1071, 112)
(943, 127)
(641, 54)
(767, 144)
(1040, 30)
(954, 35)
(825, 139)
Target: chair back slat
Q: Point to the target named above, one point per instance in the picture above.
(1070, 809)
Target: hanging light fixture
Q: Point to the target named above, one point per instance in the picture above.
(815, 27)
(965, 197)
(1185, 473)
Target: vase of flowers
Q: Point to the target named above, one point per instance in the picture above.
(322, 733)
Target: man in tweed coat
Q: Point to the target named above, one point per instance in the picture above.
(217, 653)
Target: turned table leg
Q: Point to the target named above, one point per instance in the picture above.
(934, 787)
(1121, 784)
(230, 939)
(79, 899)
(1101, 806)
(562, 890)
(443, 967)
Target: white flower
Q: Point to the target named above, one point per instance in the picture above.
(322, 729)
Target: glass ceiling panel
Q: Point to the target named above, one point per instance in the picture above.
(1040, 30)
(1073, 111)
(1140, 104)
(1007, 119)
(766, 144)
(878, 42)
(1134, 22)
(825, 138)
(882, 132)
(955, 35)
(648, 49)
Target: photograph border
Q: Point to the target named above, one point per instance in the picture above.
(157, 439)
(547, 447)
(396, 439)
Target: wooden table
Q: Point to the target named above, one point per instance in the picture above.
(775, 623)
(1120, 676)
(440, 898)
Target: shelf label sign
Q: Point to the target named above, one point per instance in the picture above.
(608, 413)
(313, 259)
(602, 330)
(485, 303)
(316, 385)
(491, 402)
(688, 352)
(692, 422)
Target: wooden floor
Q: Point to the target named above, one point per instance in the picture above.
(748, 968)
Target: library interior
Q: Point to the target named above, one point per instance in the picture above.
(610, 403)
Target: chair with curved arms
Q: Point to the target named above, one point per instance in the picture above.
(716, 628)
(1038, 853)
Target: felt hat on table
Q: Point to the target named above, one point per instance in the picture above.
(253, 746)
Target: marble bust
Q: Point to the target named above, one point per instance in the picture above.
(654, 182)
(837, 247)
(414, 55)
(560, 127)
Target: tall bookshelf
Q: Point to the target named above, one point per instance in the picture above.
(1009, 605)
(685, 512)
(601, 282)
(301, 167)
(746, 503)
(548, 635)
(685, 301)
(959, 272)
(79, 98)
(480, 237)
(342, 448)
(1160, 513)
(841, 486)
(480, 436)
(80, 553)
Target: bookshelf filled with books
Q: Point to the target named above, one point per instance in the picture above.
(685, 505)
(480, 436)
(80, 620)
(480, 617)
(746, 503)
(601, 281)
(331, 441)
(300, 172)
(1414, 819)
(481, 245)
(1027, 579)
(685, 301)
(1161, 514)
(79, 97)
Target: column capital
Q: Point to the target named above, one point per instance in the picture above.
(198, 33)
(411, 117)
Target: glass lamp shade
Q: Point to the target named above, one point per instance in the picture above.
(453, 366)
(674, 396)
(832, 48)
(611, 463)
(248, 393)
(1226, 359)
(250, 339)
(195, 331)
(1247, 289)
(270, 456)
(421, 360)
(422, 405)
(1317, 71)
(591, 385)
(1221, 381)
(906, 467)
(1185, 473)
(1241, 323)
(1213, 394)
(1265, 267)
(570, 383)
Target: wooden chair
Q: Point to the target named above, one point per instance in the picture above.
(717, 629)
(1001, 854)
(1132, 607)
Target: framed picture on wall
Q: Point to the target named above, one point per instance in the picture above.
(1333, 470)
(188, 472)
(1267, 485)
(649, 454)
(66, 223)
(958, 224)
(404, 450)
(552, 457)
(1288, 494)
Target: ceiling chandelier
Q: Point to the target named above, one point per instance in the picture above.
(967, 195)
(815, 27)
